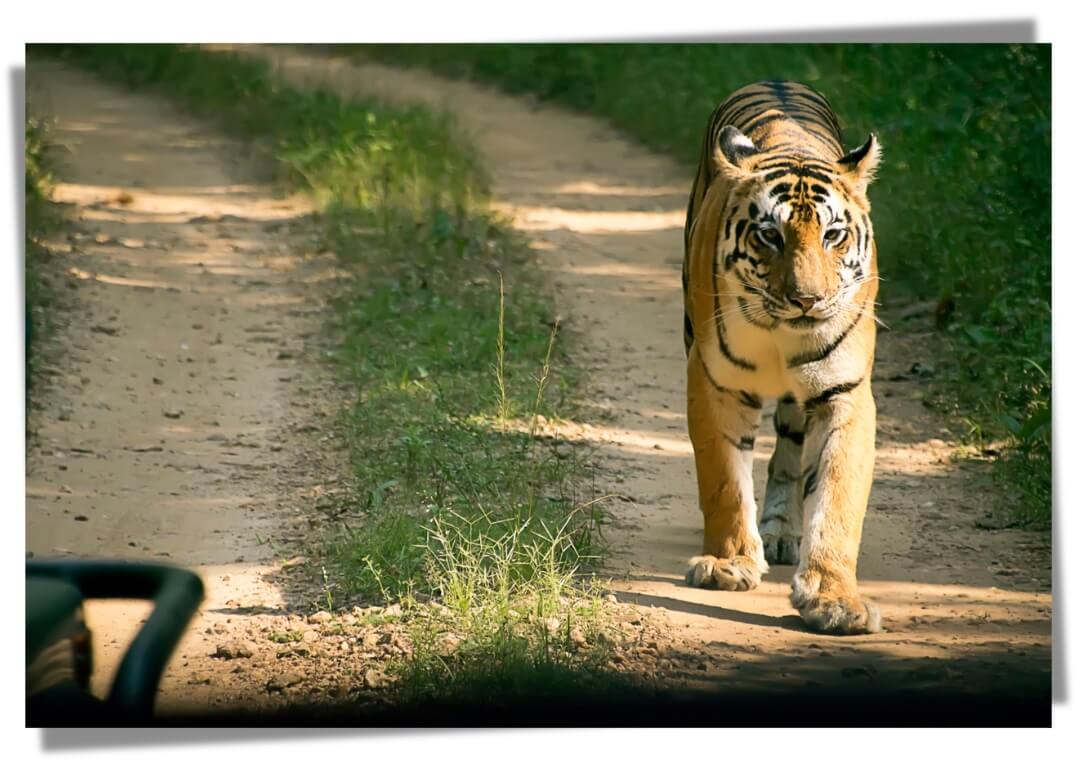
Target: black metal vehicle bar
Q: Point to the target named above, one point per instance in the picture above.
(176, 594)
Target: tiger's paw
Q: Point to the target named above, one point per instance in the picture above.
(834, 614)
(738, 573)
(780, 541)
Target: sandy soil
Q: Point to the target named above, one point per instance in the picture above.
(183, 410)
(184, 414)
(963, 606)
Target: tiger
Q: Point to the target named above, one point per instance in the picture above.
(780, 283)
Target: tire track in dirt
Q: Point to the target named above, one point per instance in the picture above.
(182, 419)
(965, 608)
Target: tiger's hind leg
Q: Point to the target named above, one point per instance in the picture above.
(780, 523)
(722, 425)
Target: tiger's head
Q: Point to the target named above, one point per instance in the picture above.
(796, 230)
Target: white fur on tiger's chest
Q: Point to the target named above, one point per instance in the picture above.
(770, 354)
(747, 345)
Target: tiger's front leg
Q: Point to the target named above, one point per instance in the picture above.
(722, 425)
(837, 470)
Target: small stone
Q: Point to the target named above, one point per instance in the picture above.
(172, 413)
(232, 650)
(320, 617)
(310, 636)
(281, 682)
(373, 678)
(448, 643)
(80, 517)
(401, 643)
(577, 637)
(392, 610)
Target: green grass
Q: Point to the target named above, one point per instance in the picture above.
(515, 617)
(961, 206)
(446, 339)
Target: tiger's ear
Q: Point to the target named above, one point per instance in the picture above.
(731, 150)
(861, 164)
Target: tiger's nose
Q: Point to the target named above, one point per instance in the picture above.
(805, 302)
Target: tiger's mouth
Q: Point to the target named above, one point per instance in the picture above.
(805, 321)
(779, 311)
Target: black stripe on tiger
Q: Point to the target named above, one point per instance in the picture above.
(746, 399)
(785, 432)
(817, 401)
(810, 483)
(744, 308)
(745, 110)
(725, 350)
(721, 338)
(746, 444)
(750, 400)
(798, 171)
(763, 120)
(717, 121)
(816, 356)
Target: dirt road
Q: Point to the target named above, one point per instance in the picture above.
(181, 417)
(181, 420)
(964, 607)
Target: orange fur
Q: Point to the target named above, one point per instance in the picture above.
(780, 279)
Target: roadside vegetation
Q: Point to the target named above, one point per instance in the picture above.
(41, 219)
(961, 207)
(471, 524)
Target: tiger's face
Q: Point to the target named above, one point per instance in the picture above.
(798, 236)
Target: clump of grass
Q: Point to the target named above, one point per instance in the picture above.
(961, 206)
(514, 616)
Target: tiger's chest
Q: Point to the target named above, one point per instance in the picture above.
(770, 360)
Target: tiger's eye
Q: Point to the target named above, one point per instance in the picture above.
(771, 236)
(834, 236)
